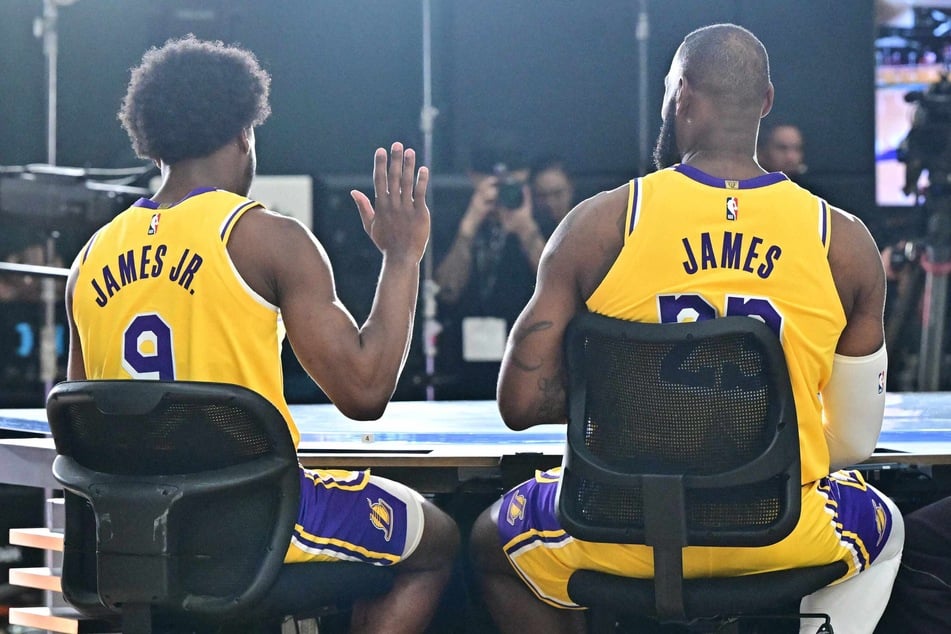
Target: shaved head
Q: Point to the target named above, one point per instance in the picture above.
(728, 64)
(715, 94)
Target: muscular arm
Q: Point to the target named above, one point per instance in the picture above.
(853, 400)
(860, 280)
(531, 387)
(357, 366)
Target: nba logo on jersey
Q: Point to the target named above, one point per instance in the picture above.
(153, 224)
(732, 208)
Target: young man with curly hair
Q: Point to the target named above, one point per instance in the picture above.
(198, 282)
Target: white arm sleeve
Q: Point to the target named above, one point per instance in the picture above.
(853, 405)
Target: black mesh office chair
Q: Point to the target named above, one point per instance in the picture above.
(682, 435)
(180, 502)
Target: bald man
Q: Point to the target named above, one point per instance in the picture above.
(638, 253)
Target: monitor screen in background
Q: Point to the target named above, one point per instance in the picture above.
(21, 384)
(912, 49)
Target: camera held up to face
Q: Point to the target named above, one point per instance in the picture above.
(510, 187)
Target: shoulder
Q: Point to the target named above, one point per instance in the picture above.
(855, 262)
(260, 230)
(267, 248)
(850, 240)
(601, 215)
(589, 238)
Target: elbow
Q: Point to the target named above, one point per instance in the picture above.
(514, 420)
(517, 414)
(847, 453)
(361, 410)
(363, 401)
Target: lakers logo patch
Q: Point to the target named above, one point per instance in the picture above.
(516, 509)
(381, 516)
(153, 224)
(881, 521)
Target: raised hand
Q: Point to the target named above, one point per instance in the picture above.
(398, 220)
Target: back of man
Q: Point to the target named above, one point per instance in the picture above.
(198, 283)
(711, 234)
(164, 302)
(756, 248)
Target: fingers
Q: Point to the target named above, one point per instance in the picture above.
(406, 176)
(393, 175)
(379, 173)
(422, 183)
(363, 206)
(526, 196)
(395, 172)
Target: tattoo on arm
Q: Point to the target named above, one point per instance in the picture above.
(551, 397)
(520, 336)
(553, 392)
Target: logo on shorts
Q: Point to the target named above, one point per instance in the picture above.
(881, 381)
(881, 521)
(381, 516)
(516, 510)
(153, 224)
(732, 208)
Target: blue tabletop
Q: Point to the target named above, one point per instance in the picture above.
(914, 421)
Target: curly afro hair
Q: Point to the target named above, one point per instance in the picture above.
(191, 97)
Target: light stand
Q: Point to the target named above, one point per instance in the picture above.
(936, 262)
(427, 117)
(46, 28)
(642, 33)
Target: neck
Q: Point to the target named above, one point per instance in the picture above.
(723, 164)
(179, 179)
(225, 168)
(724, 146)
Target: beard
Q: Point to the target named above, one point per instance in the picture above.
(248, 176)
(666, 153)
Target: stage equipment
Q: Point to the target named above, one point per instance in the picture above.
(51, 196)
(928, 147)
(50, 202)
(427, 118)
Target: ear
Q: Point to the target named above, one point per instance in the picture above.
(683, 98)
(768, 100)
(244, 141)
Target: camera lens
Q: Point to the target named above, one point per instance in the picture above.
(510, 194)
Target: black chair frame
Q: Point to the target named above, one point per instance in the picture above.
(133, 483)
(666, 491)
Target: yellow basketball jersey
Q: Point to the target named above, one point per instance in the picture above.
(158, 297)
(698, 247)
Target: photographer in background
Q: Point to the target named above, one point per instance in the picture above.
(488, 273)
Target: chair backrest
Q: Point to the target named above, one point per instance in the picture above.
(180, 495)
(679, 434)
